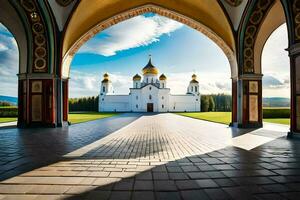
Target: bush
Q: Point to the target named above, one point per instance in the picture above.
(276, 113)
(9, 111)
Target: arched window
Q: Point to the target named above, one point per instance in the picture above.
(150, 97)
(196, 88)
(147, 80)
(162, 97)
(150, 88)
(137, 106)
(103, 89)
(152, 80)
(163, 85)
(162, 106)
(136, 85)
(192, 88)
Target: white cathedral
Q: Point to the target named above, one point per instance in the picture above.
(149, 94)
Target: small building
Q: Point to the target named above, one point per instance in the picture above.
(149, 94)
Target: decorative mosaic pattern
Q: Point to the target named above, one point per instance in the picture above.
(296, 13)
(154, 9)
(259, 11)
(39, 35)
(234, 2)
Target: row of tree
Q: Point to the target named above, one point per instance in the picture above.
(215, 102)
(84, 104)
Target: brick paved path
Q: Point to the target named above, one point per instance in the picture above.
(161, 156)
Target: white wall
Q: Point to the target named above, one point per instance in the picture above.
(184, 103)
(114, 103)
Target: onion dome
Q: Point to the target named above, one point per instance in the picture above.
(150, 69)
(194, 77)
(162, 77)
(105, 78)
(137, 77)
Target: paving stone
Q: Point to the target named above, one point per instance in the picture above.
(194, 195)
(206, 183)
(187, 185)
(168, 196)
(216, 194)
(164, 186)
(143, 185)
(144, 195)
(120, 195)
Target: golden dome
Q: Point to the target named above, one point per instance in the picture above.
(194, 77)
(162, 77)
(137, 77)
(150, 69)
(105, 78)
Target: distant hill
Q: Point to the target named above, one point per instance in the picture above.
(276, 102)
(12, 100)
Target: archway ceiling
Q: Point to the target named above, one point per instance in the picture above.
(87, 15)
(235, 10)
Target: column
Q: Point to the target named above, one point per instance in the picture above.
(249, 105)
(294, 53)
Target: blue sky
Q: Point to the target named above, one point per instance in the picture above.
(177, 51)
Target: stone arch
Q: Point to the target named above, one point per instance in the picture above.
(226, 44)
(272, 21)
(11, 20)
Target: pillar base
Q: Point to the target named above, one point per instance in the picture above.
(250, 125)
(293, 135)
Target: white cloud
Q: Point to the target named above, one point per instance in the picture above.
(9, 63)
(135, 32)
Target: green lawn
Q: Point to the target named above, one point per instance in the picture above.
(7, 119)
(285, 121)
(225, 117)
(219, 117)
(74, 118)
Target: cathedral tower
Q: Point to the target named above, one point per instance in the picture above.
(193, 87)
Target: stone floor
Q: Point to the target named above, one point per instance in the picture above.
(159, 156)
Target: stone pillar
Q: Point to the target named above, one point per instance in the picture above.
(65, 100)
(249, 105)
(294, 53)
(36, 101)
(234, 103)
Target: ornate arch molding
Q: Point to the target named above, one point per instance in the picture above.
(145, 9)
(40, 40)
(256, 15)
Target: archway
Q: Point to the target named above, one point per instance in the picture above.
(228, 49)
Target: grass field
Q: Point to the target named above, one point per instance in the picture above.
(225, 117)
(74, 118)
(7, 119)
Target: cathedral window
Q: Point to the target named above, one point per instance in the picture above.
(103, 89)
(137, 106)
(162, 97)
(150, 97)
(192, 88)
(136, 85)
(163, 85)
(162, 106)
(150, 88)
(102, 99)
(196, 88)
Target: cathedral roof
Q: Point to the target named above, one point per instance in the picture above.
(150, 69)
(162, 77)
(137, 77)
